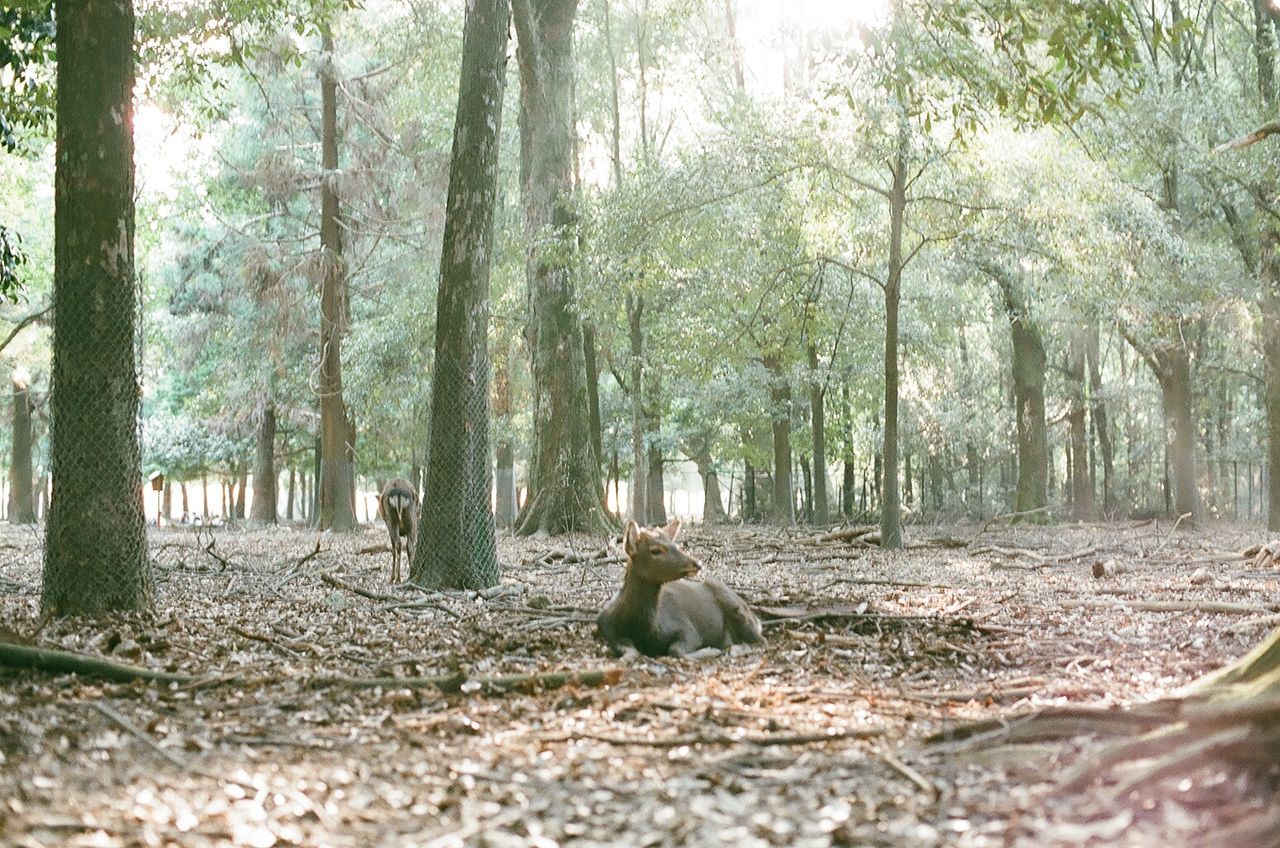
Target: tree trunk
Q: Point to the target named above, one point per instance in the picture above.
(336, 508)
(1175, 384)
(186, 501)
(655, 491)
(566, 493)
(750, 510)
(95, 556)
(316, 468)
(890, 498)
(640, 476)
(781, 509)
(22, 507)
(1082, 505)
(1098, 410)
(166, 502)
(241, 493)
(264, 470)
(818, 424)
(290, 498)
(505, 454)
(593, 390)
(1028, 369)
(456, 546)
(712, 500)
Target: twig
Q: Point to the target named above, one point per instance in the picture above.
(463, 683)
(136, 732)
(65, 662)
(908, 772)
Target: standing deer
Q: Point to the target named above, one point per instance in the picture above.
(657, 612)
(398, 507)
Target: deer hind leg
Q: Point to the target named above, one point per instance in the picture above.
(395, 551)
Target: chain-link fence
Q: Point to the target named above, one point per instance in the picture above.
(456, 547)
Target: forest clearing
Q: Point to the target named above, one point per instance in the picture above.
(640, 423)
(821, 736)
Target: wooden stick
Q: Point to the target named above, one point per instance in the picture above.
(461, 682)
(1247, 139)
(758, 741)
(1222, 607)
(342, 584)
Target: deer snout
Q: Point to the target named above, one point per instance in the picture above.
(691, 568)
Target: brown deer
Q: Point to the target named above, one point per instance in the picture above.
(657, 613)
(398, 507)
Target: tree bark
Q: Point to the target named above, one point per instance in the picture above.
(1082, 503)
(1174, 376)
(22, 507)
(890, 497)
(264, 470)
(566, 493)
(1101, 425)
(781, 508)
(505, 455)
(818, 424)
(336, 509)
(640, 476)
(1028, 367)
(95, 557)
(593, 391)
(456, 546)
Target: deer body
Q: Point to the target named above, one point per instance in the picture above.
(658, 613)
(398, 506)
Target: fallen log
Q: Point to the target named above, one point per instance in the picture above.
(13, 655)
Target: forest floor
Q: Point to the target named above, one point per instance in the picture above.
(822, 736)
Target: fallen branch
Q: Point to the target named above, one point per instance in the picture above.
(65, 662)
(339, 583)
(847, 534)
(1222, 607)
(757, 741)
(462, 683)
(1010, 516)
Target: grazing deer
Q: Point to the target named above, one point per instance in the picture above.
(398, 507)
(657, 613)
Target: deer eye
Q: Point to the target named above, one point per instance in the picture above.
(658, 551)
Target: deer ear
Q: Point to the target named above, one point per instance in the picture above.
(630, 538)
(672, 529)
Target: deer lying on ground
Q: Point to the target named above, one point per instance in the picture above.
(398, 507)
(656, 612)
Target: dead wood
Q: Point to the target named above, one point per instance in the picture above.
(1009, 516)
(1222, 607)
(339, 583)
(846, 534)
(65, 662)
(453, 683)
(725, 739)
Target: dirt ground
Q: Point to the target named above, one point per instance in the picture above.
(820, 737)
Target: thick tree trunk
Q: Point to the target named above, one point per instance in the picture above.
(290, 498)
(1175, 385)
(712, 502)
(166, 503)
(1028, 368)
(456, 546)
(264, 470)
(1082, 504)
(95, 555)
(336, 512)
(22, 507)
(750, 510)
(564, 477)
(654, 489)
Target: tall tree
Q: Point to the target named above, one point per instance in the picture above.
(564, 477)
(336, 509)
(95, 541)
(21, 501)
(456, 546)
(264, 469)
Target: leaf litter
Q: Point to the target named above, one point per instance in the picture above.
(817, 738)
